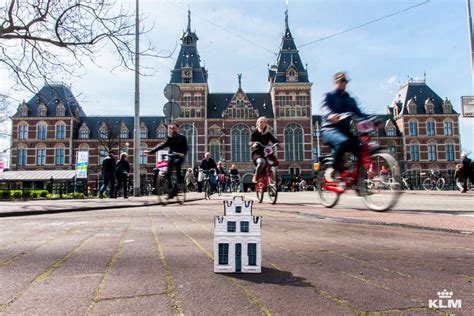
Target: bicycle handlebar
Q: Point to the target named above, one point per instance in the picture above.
(262, 145)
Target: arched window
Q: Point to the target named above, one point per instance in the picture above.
(41, 155)
(23, 130)
(411, 107)
(240, 138)
(215, 149)
(191, 136)
(22, 155)
(59, 155)
(294, 143)
(41, 130)
(431, 127)
(83, 147)
(450, 150)
(414, 151)
(432, 154)
(413, 128)
(60, 130)
(448, 128)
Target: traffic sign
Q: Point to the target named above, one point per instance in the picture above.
(172, 110)
(467, 106)
(172, 92)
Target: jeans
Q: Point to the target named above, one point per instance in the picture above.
(108, 179)
(212, 179)
(175, 162)
(341, 143)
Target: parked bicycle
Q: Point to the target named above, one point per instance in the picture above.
(433, 181)
(268, 180)
(380, 192)
(405, 181)
(166, 190)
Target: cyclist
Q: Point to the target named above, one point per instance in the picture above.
(177, 144)
(208, 166)
(234, 175)
(221, 176)
(263, 136)
(337, 133)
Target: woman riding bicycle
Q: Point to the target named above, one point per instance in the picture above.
(178, 145)
(263, 136)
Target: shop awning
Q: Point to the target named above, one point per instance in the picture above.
(37, 175)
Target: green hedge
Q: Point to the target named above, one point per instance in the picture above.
(22, 194)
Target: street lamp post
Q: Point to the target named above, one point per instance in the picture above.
(136, 121)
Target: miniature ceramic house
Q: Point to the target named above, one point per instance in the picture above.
(237, 238)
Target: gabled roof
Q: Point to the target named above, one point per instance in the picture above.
(95, 122)
(420, 92)
(218, 102)
(51, 95)
(287, 56)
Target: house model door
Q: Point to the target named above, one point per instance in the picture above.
(238, 257)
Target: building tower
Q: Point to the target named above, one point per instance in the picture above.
(290, 92)
(192, 79)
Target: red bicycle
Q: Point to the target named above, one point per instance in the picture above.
(380, 190)
(268, 179)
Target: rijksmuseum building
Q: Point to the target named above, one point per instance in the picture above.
(421, 129)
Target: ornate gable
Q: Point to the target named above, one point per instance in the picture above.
(240, 105)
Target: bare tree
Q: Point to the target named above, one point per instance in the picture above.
(109, 135)
(42, 40)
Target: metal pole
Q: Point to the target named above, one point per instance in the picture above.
(136, 121)
(192, 149)
(318, 131)
(470, 38)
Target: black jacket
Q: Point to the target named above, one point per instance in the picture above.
(122, 167)
(208, 164)
(108, 165)
(178, 144)
(466, 167)
(261, 138)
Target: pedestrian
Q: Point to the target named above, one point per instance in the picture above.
(108, 175)
(466, 171)
(458, 177)
(121, 172)
(221, 176)
(189, 180)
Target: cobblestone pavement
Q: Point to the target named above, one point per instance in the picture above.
(158, 260)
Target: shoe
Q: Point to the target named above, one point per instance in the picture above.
(255, 179)
(101, 195)
(333, 182)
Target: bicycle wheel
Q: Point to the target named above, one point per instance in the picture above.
(405, 185)
(260, 189)
(207, 190)
(162, 189)
(383, 191)
(181, 193)
(328, 198)
(272, 185)
(428, 184)
(440, 184)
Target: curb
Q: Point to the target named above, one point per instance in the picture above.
(85, 209)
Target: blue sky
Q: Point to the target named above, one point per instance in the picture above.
(240, 36)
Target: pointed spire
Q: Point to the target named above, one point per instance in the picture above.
(239, 76)
(189, 21)
(286, 18)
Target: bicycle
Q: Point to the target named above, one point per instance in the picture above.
(268, 179)
(433, 181)
(380, 193)
(166, 190)
(206, 183)
(405, 181)
(234, 183)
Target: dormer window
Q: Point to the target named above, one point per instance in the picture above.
(447, 107)
(23, 109)
(60, 110)
(429, 107)
(161, 133)
(188, 40)
(42, 110)
(123, 133)
(143, 132)
(291, 75)
(84, 133)
(412, 107)
(103, 132)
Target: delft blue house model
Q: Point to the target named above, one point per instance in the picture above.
(237, 238)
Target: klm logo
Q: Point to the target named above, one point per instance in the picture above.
(444, 301)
